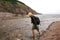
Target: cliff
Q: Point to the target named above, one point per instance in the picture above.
(15, 7)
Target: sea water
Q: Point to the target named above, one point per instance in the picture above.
(47, 19)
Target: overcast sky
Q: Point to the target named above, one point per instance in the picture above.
(44, 6)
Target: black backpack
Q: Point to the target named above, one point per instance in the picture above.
(37, 20)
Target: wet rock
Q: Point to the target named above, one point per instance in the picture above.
(53, 33)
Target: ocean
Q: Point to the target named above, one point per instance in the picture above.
(47, 19)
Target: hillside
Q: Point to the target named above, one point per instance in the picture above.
(15, 7)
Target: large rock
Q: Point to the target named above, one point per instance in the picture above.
(53, 32)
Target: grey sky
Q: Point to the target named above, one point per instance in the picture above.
(44, 6)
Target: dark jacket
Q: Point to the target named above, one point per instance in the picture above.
(33, 20)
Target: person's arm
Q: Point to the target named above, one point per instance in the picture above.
(31, 20)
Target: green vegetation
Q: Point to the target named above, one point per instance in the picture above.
(11, 1)
(15, 7)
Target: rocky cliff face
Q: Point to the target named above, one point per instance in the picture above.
(15, 8)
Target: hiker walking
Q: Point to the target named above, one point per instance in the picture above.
(35, 21)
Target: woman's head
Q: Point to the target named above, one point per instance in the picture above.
(30, 14)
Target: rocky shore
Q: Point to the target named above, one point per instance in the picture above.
(20, 29)
(53, 33)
